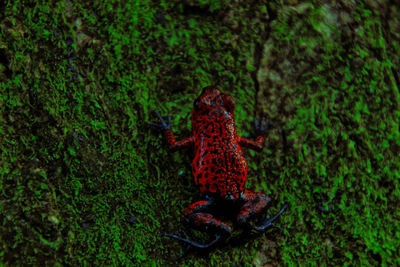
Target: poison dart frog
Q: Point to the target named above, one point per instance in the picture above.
(219, 169)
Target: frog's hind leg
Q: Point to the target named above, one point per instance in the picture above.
(197, 215)
(267, 222)
(256, 204)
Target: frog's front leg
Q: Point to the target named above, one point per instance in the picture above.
(169, 135)
(255, 205)
(260, 130)
(199, 217)
(257, 145)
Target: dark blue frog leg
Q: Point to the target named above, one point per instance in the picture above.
(256, 204)
(269, 222)
(197, 216)
(169, 135)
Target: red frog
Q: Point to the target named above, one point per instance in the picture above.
(219, 169)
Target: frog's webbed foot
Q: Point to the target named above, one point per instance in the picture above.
(193, 243)
(162, 125)
(267, 222)
(260, 126)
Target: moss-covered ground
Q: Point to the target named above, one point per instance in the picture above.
(85, 182)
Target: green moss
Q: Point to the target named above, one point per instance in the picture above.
(85, 181)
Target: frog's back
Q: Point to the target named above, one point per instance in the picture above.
(218, 166)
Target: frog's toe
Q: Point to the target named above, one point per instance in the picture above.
(157, 125)
(162, 125)
(194, 243)
(260, 126)
(269, 221)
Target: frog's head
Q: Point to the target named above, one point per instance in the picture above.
(213, 99)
